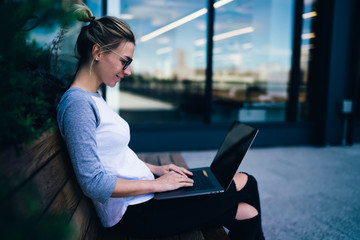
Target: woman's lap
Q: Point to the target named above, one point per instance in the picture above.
(166, 217)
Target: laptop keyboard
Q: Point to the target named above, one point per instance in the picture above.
(200, 181)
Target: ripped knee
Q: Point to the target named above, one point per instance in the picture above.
(240, 180)
(245, 211)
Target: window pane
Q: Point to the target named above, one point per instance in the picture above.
(168, 71)
(251, 60)
(95, 7)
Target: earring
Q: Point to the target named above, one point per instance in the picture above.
(96, 59)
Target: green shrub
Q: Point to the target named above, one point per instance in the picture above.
(30, 91)
(30, 88)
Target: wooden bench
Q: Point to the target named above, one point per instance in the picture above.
(46, 166)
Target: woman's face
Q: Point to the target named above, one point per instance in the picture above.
(109, 66)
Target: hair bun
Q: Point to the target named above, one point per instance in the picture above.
(83, 13)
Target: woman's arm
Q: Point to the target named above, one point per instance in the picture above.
(78, 118)
(168, 181)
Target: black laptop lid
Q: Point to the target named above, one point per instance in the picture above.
(232, 151)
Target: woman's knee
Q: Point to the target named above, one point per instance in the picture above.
(240, 180)
(245, 211)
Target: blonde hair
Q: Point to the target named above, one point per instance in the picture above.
(108, 32)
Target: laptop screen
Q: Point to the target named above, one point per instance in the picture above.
(232, 151)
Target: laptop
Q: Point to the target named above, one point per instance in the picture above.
(217, 177)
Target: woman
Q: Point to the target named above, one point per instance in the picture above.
(109, 172)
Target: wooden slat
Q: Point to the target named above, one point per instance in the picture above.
(177, 159)
(94, 230)
(164, 159)
(152, 159)
(68, 198)
(20, 168)
(48, 182)
(81, 218)
(141, 156)
(52, 178)
(46, 165)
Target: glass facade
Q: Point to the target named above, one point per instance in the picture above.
(258, 49)
(251, 61)
(167, 81)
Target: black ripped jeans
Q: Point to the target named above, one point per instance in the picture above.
(159, 218)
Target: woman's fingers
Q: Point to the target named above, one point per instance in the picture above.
(173, 179)
(185, 178)
(187, 171)
(180, 170)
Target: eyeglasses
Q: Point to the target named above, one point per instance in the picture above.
(125, 61)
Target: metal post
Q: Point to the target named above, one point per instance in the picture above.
(295, 73)
(208, 81)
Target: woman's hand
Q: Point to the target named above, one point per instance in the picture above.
(172, 180)
(171, 177)
(164, 169)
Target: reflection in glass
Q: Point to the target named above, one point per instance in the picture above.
(252, 59)
(168, 71)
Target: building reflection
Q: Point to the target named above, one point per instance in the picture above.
(251, 58)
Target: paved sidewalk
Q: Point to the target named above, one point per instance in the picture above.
(306, 192)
